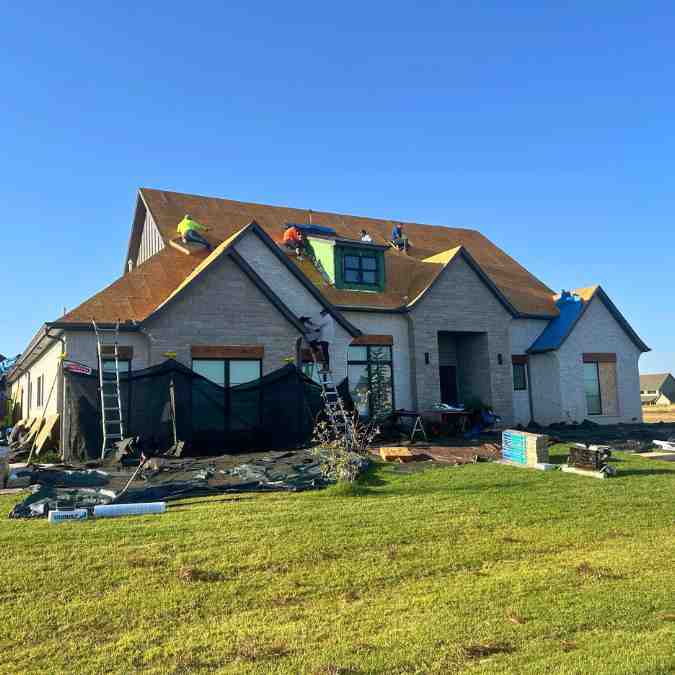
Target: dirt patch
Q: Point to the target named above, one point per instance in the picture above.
(587, 571)
(193, 575)
(483, 650)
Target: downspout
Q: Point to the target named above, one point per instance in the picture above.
(413, 358)
(529, 389)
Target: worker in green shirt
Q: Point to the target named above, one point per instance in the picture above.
(189, 231)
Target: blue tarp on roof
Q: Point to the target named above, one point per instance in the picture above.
(313, 229)
(570, 307)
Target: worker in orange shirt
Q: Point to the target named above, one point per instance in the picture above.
(294, 239)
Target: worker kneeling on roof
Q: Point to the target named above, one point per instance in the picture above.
(189, 231)
(294, 239)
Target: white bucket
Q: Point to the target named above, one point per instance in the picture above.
(114, 510)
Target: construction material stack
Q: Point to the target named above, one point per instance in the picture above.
(524, 449)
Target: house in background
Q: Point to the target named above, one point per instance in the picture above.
(657, 389)
(454, 320)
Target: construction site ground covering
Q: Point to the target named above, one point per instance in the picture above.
(480, 568)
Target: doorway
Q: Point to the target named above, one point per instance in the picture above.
(449, 393)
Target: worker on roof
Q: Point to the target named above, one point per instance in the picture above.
(294, 239)
(366, 237)
(399, 238)
(189, 231)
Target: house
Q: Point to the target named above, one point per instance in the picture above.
(657, 389)
(454, 320)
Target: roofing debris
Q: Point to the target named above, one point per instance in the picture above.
(163, 479)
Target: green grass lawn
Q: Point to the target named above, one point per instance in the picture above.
(480, 569)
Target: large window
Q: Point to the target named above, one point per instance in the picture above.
(519, 377)
(109, 367)
(371, 380)
(242, 405)
(360, 269)
(592, 389)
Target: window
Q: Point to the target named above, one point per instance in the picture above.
(360, 269)
(40, 391)
(519, 377)
(592, 389)
(370, 376)
(109, 366)
(228, 372)
(242, 406)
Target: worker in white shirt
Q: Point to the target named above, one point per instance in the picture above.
(326, 326)
(366, 237)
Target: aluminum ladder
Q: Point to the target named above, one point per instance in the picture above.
(112, 421)
(341, 423)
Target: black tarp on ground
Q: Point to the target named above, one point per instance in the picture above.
(276, 411)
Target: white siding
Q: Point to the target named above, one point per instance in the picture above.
(151, 240)
(395, 325)
(599, 332)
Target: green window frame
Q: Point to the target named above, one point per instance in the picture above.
(361, 269)
(370, 373)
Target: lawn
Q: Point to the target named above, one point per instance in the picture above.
(479, 569)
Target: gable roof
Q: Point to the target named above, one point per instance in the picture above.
(653, 381)
(571, 310)
(407, 275)
(150, 286)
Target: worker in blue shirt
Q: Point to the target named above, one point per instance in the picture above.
(399, 238)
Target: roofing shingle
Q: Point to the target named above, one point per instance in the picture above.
(406, 275)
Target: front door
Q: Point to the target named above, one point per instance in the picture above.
(449, 385)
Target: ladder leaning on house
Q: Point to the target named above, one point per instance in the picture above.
(109, 385)
(341, 423)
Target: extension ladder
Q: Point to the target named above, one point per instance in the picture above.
(341, 423)
(109, 385)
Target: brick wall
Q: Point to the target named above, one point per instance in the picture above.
(221, 307)
(599, 332)
(461, 302)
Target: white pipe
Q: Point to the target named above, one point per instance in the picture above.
(114, 510)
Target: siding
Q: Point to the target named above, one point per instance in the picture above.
(151, 240)
(598, 331)
(545, 381)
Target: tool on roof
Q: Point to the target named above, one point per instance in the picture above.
(109, 385)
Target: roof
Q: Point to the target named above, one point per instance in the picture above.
(150, 286)
(572, 305)
(654, 381)
(407, 275)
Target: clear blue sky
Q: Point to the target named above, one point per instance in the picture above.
(550, 129)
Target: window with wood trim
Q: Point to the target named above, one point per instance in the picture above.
(592, 388)
(239, 410)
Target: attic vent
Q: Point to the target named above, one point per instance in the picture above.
(130, 265)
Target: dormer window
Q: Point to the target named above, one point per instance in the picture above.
(360, 268)
(349, 264)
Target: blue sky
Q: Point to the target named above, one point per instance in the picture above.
(550, 129)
